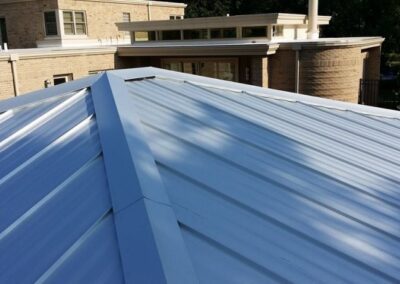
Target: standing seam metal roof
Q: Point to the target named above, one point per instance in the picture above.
(148, 175)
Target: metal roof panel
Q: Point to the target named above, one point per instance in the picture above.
(148, 174)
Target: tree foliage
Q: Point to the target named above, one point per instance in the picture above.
(349, 17)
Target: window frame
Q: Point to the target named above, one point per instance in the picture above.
(176, 17)
(57, 23)
(183, 60)
(74, 22)
(68, 77)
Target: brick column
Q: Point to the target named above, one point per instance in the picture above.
(259, 71)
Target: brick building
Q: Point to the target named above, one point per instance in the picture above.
(280, 51)
(66, 23)
(271, 50)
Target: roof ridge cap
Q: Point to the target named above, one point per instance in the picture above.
(140, 202)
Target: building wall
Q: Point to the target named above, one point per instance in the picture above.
(24, 21)
(329, 72)
(373, 63)
(332, 73)
(259, 71)
(102, 16)
(281, 70)
(32, 72)
(6, 80)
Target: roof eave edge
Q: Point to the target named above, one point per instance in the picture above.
(47, 93)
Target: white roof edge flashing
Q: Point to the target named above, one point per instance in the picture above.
(143, 73)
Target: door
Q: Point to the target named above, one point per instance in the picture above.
(3, 32)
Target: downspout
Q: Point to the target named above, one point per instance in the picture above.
(149, 10)
(297, 49)
(13, 60)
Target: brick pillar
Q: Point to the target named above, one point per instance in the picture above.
(282, 70)
(332, 72)
(373, 64)
(259, 71)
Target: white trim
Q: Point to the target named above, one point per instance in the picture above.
(131, 2)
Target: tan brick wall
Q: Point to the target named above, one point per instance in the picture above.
(163, 13)
(281, 70)
(102, 16)
(6, 81)
(31, 77)
(25, 22)
(373, 63)
(259, 71)
(33, 72)
(332, 73)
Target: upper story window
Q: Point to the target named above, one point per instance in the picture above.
(175, 17)
(50, 23)
(254, 32)
(223, 33)
(126, 17)
(277, 30)
(74, 22)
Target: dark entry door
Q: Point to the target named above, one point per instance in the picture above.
(3, 31)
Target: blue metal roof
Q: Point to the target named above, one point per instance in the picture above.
(152, 176)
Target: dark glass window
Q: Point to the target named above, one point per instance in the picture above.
(50, 22)
(60, 79)
(171, 35)
(254, 32)
(223, 33)
(195, 34)
(277, 30)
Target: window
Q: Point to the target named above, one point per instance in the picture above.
(220, 68)
(171, 35)
(144, 36)
(223, 33)
(277, 30)
(59, 79)
(195, 34)
(126, 17)
(175, 17)
(254, 32)
(74, 23)
(50, 23)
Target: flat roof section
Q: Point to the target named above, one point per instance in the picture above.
(238, 47)
(199, 48)
(55, 51)
(221, 22)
